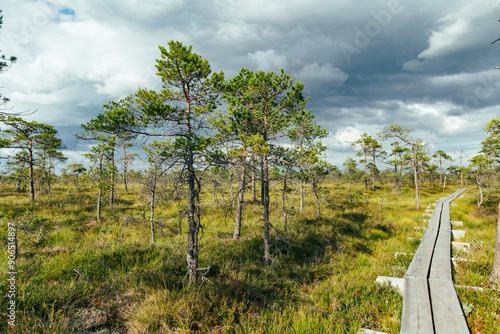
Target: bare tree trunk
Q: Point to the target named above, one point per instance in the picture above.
(441, 172)
(301, 195)
(153, 195)
(373, 171)
(349, 184)
(444, 183)
(231, 192)
(112, 181)
(283, 201)
(262, 180)
(480, 191)
(125, 167)
(112, 189)
(401, 171)
(396, 179)
(152, 217)
(315, 191)
(99, 186)
(192, 212)
(239, 203)
(30, 171)
(366, 178)
(265, 202)
(495, 272)
(254, 199)
(214, 194)
(415, 177)
(49, 183)
(125, 181)
(192, 244)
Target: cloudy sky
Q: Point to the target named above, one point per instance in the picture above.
(427, 65)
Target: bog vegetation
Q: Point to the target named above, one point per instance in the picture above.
(236, 224)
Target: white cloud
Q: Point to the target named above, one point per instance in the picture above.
(447, 38)
(455, 125)
(320, 75)
(425, 110)
(346, 136)
(268, 60)
(460, 30)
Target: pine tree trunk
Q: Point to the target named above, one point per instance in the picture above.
(283, 201)
(231, 192)
(112, 181)
(440, 172)
(262, 180)
(373, 171)
(49, 184)
(415, 177)
(366, 178)
(401, 172)
(318, 209)
(214, 193)
(192, 214)
(265, 202)
(125, 167)
(301, 195)
(30, 172)
(152, 217)
(254, 198)
(99, 185)
(192, 244)
(495, 272)
(480, 191)
(239, 203)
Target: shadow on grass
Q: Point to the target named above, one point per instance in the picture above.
(300, 257)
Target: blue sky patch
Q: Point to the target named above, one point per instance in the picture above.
(67, 11)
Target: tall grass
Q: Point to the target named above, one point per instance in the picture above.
(482, 308)
(77, 274)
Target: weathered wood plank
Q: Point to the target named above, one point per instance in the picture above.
(430, 303)
(441, 258)
(420, 263)
(463, 246)
(446, 310)
(458, 234)
(447, 313)
(417, 312)
(397, 283)
(457, 223)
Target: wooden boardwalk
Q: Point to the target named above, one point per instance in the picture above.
(430, 303)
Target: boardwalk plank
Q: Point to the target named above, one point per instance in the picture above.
(417, 312)
(446, 310)
(430, 303)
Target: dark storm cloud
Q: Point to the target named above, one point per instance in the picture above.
(426, 65)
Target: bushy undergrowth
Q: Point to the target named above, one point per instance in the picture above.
(77, 275)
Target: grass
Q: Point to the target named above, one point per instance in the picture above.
(76, 274)
(482, 308)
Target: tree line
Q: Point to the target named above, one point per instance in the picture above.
(209, 132)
